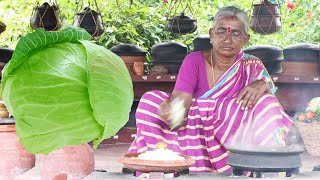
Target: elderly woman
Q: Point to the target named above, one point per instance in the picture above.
(228, 97)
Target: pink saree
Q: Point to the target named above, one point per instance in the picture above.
(215, 119)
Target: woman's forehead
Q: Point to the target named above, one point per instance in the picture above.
(231, 22)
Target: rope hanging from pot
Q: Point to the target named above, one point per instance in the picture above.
(181, 24)
(46, 16)
(264, 18)
(89, 19)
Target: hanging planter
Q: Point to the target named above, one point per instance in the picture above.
(89, 19)
(2, 27)
(265, 18)
(46, 16)
(181, 23)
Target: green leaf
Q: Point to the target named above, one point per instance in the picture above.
(62, 92)
(33, 43)
(110, 89)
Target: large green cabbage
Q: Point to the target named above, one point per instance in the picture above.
(65, 90)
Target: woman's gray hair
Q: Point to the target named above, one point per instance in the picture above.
(232, 11)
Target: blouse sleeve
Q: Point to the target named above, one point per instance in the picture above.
(188, 74)
(262, 74)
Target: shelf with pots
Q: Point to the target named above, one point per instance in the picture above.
(297, 84)
(276, 78)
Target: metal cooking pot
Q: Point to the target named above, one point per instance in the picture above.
(259, 160)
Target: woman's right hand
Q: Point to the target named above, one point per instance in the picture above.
(164, 110)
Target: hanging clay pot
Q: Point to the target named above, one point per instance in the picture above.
(2, 27)
(14, 158)
(47, 17)
(265, 18)
(75, 161)
(181, 24)
(91, 21)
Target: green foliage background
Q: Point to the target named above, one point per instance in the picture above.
(142, 23)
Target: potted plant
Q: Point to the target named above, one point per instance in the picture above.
(64, 91)
(308, 123)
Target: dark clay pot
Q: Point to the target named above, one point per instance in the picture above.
(273, 67)
(302, 52)
(271, 56)
(265, 18)
(128, 50)
(5, 54)
(265, 52)
(47, 17)
(91, 21)
(168, 51)
(181, 24)
(201, 43)
(2, 27)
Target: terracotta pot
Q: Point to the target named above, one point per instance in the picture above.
(138, 68)
(130, 60)
(129, 53)
(15, 159)
(76, 161)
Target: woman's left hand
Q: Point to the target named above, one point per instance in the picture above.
(250, 95)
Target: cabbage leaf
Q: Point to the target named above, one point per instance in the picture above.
(64, 90)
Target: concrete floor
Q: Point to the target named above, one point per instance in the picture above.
(108, 167)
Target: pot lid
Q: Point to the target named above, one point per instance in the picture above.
(265, 150)
(263, 47)
(303, 46)
(128, 49)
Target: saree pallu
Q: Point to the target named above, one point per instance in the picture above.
(215, 119)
